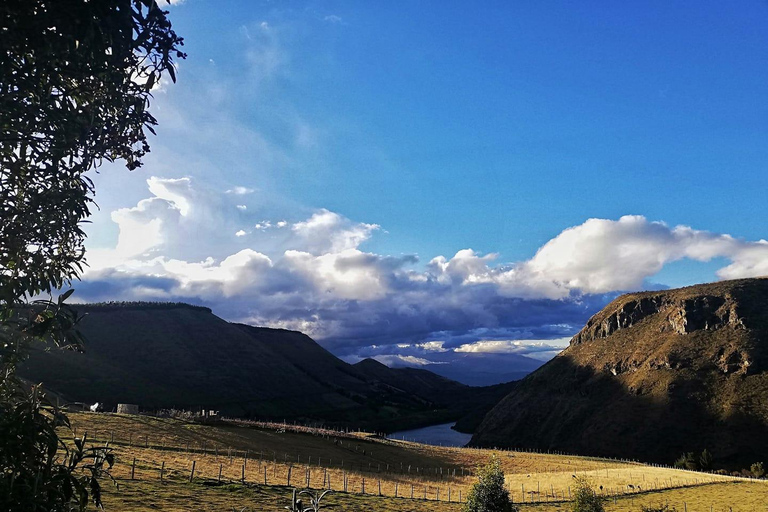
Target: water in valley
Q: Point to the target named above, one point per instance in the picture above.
(439, 435)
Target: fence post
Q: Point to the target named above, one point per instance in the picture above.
(220, 466)
(192, 473)
(289, 476)
(162, 470)
(133, 468)
(242, 473)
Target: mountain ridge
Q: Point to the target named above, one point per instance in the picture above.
(162, 355)
(650, 376)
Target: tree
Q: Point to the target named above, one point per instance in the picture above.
(489, 494)
(75, 82)
(585, 499)
(687, 461)
(705, 460)
(757, 470)
(75, 85)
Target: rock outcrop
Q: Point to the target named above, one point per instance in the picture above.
(652, 375)
(683, 315)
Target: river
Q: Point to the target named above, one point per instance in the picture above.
(438, 435)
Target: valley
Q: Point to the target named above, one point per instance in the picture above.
(232, 459)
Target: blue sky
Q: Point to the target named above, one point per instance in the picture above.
(412, 131)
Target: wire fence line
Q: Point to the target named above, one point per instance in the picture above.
(147, 457)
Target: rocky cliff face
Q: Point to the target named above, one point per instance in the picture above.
(682, 315)
(652, 375)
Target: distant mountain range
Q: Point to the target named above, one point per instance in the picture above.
(177, 355)
(651, 376)
(480, 368)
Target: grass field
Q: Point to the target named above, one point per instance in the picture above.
(225, 455)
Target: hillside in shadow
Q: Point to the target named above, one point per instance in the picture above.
(181, 356)
(652, 375)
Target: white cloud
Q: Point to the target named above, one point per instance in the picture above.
(398, 360)
(240, 190)
(513, 346)
(332, 18)
(178, 245)
(327, 231)
(751, 260)
(601, 256)
(241, 207)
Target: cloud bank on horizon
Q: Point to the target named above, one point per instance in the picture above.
(312, 275)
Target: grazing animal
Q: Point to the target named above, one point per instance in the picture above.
(96, 407)
(630, 486)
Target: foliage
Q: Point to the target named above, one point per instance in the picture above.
(315, 497)
(75, 81)
(40, 472)
(146, 305)
(757, 470)
(585, 498)
(489, 493)
(705, 460)
(687, 461)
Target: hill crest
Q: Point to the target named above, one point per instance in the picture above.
(651, 375)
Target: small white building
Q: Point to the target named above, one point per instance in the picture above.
(127, 409)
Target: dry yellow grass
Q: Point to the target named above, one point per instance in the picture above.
(435, 472)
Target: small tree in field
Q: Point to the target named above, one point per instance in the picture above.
(757, 469)
(585, 498)
(705, 460)
(489, 493)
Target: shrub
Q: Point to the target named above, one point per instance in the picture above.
(687, 461)
(489, 493)
(705, 460)
(585, 499)
(757, 470)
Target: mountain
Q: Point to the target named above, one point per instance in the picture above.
(481, 368)
(182, 356)
(650, 376)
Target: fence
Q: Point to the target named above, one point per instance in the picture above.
(145, 458)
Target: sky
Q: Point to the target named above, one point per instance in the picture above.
(418, 181)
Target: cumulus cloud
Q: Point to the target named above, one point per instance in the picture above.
(314, 275)
(327, 231)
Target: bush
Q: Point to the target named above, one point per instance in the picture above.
(489, 493)
(687, 461)
(705, 460)
(585, 499)
(757, 470)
